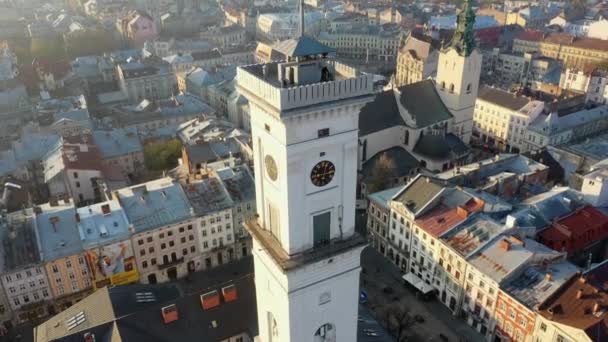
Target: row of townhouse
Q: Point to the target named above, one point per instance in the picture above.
(56, 254)
(481, 258)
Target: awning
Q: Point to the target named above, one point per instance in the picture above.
(418, 283)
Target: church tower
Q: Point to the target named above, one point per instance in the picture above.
(458, 72)
(304, 124)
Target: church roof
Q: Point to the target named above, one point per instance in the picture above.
(302, 46)
(380, 114)
(423, 103)
(435, 146)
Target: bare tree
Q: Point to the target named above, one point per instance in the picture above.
(383, 172)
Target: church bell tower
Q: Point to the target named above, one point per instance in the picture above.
(304, 123)
(458, 73)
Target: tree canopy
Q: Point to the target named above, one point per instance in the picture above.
(162, 155)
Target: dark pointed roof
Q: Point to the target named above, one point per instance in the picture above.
(424, 103)
(302, 46)
(464, 37)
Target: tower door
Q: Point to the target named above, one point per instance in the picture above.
(321, 228)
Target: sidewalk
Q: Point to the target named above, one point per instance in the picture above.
(380, 273)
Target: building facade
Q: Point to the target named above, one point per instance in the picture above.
(417, 60)
(501, 119)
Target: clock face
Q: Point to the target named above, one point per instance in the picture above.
(271, 168)
(322, 173)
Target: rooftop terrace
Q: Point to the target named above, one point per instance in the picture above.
(267, 83)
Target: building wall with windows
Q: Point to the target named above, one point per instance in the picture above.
(168, 252)
(26, 286)
(513, 320)
(479, 302)
(378, 214)
(501, 118)
(68, 276)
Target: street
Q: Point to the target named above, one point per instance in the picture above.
(379, 273)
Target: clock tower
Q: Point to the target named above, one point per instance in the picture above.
(304, 124)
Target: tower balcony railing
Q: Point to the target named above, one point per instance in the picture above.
(320, 252)
(261, 81)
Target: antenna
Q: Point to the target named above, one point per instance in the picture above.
(301, 18)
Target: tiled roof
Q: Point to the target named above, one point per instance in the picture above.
(155, 204)
(117, 311)
(576, 231)
(419, 192)
(573, 304)
(435, 146)
(502, 98)
(380, 114)
(423, 103)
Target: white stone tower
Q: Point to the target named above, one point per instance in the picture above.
(458, 72)
(304, 118)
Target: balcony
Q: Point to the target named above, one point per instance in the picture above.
(288, 262)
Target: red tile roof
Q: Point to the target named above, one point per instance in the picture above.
(580, 304)
(576, 231)
(564, 39)
(443, 218)
(531, 35)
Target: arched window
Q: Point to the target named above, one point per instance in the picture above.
(443, 85)
(469, 87)
(451, 87)
(406, 140)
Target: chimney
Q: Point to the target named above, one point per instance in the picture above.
(229, 293)
(548, 277)
(105, 209)
(579, 294)
(210, 300)
(504, 245)
(169, 313)
(597, 307)
(461, 212)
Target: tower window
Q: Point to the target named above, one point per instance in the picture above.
(321, 228)
(323, 133)
(443, 85)
(267, 128)
(469, 88)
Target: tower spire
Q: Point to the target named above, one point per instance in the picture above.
(301, 18)
(464, 37)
